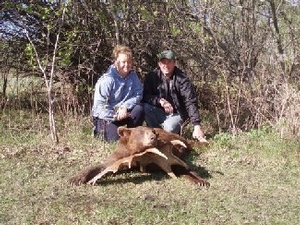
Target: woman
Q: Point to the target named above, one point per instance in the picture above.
(118, 93)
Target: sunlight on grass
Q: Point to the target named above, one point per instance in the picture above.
(254, 180)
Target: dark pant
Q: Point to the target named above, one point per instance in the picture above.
(108, 129)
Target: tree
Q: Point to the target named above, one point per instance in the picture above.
(49, 75)
(240, 54)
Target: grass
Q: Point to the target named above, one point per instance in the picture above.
(254, 180)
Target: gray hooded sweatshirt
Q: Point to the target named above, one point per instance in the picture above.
(113, 91)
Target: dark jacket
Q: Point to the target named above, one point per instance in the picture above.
(182, 93)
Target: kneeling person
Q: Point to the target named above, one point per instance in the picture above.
(118, 93)
(169, 97)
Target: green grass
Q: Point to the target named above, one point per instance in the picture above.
(254, 180)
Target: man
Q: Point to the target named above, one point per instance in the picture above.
(117, 96)
(170, 98)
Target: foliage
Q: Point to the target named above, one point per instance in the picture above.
(240, 54)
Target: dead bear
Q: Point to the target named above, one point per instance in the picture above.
(131, 141)
(148, 149)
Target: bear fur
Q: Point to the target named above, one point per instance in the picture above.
(137, 140)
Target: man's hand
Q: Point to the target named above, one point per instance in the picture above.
(166, 105)
(199, 134)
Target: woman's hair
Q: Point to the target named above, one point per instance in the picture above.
(121, 49)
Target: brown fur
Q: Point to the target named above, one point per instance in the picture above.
(165, 137)
(136, 140)
(131, 141)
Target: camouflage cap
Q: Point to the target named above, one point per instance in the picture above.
(167, 54)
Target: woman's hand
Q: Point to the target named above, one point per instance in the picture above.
(122, 113)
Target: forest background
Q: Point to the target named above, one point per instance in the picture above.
(243, 56)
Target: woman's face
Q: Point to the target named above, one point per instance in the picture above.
(123, 64)
(167, 66)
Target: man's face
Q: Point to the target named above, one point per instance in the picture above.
(167, 66)
(123, 64)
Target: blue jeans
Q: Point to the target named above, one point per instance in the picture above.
(158, 118)
(108, 130)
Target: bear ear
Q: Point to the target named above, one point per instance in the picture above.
(123, 131)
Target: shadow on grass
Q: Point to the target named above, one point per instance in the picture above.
(137, 177)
